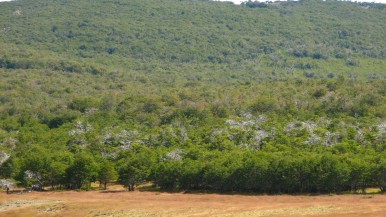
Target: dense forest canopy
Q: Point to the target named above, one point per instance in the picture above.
(280, 97)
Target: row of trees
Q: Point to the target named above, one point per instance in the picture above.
(334, 171)
(42, 167)
(274, 173)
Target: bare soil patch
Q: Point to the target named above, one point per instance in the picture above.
(119, 203)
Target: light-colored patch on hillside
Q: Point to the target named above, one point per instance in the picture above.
(15, 204)
(17, 12)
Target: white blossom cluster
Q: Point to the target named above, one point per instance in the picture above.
(331, 139)
(257, 140)
(381, 137)
(6, 183)
(9, 143)
(359, 137)
(215, 133)
(246, 115)
(184, 133)
(123, 139)
(250, 122)
(80, 128)
(259, 136)
(313, 139)
(381, 127)
(324, 122)
(106, 154)
(181, 130)
(28, 175)
(167, 133)
(107, 138)
(311, 126)
(250, 125)
(174, 155)
(90, 111)
(294, 125)
(297, 128)
(4, 157)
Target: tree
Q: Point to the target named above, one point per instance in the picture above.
(380, 171)
(135, 166)
(82, 172)
(34, 166)
(57, 173)
(107, 173)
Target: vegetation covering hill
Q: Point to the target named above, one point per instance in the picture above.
(286, 97)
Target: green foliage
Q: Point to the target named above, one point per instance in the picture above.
(106, 173)
(135, 166)
(267, 98)
(82, 171)
(82, 104)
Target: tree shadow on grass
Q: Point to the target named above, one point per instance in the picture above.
(149, 188)
(112, 191)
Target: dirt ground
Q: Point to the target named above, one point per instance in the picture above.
(137, 204)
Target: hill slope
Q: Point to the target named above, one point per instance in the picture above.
(194, 94)
(128, 32)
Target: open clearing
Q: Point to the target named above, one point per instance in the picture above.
(137, 204)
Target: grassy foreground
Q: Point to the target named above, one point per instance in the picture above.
(117, 202)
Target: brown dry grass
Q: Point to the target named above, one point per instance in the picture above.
(119, 203)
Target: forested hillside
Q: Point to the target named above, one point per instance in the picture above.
(194, 95)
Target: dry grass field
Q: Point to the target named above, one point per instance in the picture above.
(135, 204)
